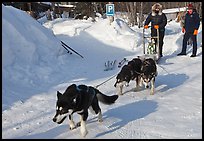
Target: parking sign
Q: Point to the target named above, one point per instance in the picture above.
(109, 9)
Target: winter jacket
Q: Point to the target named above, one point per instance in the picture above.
(156, 18)
(160, 20)
(192, 22)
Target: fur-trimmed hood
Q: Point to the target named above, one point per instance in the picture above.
(156, 6)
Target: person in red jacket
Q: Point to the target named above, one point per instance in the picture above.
(158, 21)
(191, 25)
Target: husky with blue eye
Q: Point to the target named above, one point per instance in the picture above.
(78, 99)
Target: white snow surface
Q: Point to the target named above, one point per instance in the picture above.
(35, 66)
(174, 10)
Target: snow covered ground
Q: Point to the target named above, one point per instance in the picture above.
(35, 66)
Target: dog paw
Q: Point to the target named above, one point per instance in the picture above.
(120, 93)
(100, 120)
(71, 128)
(151, 93)
(136, 89)
(84, 133)
(72, 125)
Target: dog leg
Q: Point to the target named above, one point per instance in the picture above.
(95, 107)
(83, 129)
(138, 83)
(120, 90)
(92, 110)
(100, 117)
(152, 86)
(71, 122)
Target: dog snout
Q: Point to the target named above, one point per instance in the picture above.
(54, 119)
(147, 86)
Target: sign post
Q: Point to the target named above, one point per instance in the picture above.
(110, 12)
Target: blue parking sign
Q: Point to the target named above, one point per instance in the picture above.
(109, 9)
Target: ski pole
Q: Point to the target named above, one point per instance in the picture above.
(72, 49)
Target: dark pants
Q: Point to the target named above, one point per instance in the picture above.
(185, 40)
(161, 38)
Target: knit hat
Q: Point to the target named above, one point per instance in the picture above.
(190, 6)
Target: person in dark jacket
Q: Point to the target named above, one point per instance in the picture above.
(191, 25)
(158, 21)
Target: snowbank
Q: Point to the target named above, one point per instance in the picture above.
(29, 51)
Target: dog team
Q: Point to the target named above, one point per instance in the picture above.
(81, 98)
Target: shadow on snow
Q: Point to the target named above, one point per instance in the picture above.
(128, 113)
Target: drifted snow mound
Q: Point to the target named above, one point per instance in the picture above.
(116, 32)
(122, 27)
(29, 51)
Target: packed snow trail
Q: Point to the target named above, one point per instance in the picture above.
(174, 111)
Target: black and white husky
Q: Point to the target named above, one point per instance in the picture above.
(131, 71)
(79, 99)
(149, 73)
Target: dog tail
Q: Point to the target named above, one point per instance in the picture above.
(106, 99)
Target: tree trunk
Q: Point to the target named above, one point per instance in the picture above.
(141, 15)
(132, 13)
(59, 11)
(53, 10)
(128, 13)
(29, 6)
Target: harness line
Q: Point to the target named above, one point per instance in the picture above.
(105, 81)
(164, 69)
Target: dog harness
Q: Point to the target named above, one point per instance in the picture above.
(82, 88)
(88, 90)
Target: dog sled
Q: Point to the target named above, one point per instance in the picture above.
(151, 50)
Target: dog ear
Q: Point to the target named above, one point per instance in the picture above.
(58, 94)
(73, 86)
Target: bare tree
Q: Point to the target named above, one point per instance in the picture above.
(59, 11)
(29, 6)
(53, 10)
(132, 12)
(141, 15)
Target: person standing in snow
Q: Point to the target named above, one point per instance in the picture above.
(190, 28)
(158, 21)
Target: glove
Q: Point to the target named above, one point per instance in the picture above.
(183, 30)
(146, 26)
(156, 26)
(195, 32)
